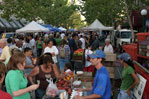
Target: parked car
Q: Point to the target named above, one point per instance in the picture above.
(7, 35)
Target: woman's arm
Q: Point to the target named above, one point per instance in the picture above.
(136, 82)
(56, 71)
(34, 72)
(25, 90)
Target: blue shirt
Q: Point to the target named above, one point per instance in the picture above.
(102, 84)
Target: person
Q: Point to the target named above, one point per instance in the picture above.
(129, 78)
(3, 95)
(13, 50)
(16, 81)
(51, 49)
(33, 45)
(58, 39)
(88, 51)
(66, 54)
(46, 70)
(29, 64)
(26, 43)
(108, 47)
(39, 46)
(102, 85)
(67, 69)
(83, 41)
(5, 50)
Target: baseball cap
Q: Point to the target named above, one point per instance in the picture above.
(124, 56)
(97, 54)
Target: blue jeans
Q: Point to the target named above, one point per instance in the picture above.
(123, 95)
(40, 93)
(62, 63)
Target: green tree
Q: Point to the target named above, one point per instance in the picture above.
(105, 10)
(75, 21)
(55, 12)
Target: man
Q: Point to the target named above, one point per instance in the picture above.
(108, 47)
(33, 45)
(5, 50)
(83, 41)
(101, 86)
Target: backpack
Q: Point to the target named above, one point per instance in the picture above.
(62, 52)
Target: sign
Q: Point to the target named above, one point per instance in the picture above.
(138, 90)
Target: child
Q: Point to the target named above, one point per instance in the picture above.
(67, 72)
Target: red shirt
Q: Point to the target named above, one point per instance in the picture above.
(4, 95)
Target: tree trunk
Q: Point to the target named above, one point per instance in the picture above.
(129, 19)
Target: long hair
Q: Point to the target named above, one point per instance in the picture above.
(15, 59)
(43, 60)
(2, 69)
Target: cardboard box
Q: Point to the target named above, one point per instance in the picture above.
(110, 57)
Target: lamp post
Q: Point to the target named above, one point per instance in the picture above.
(143, 13)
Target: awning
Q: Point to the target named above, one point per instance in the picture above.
(17, 23)
(6, 23)
(2, 26)
(22, 22)
(14, 25)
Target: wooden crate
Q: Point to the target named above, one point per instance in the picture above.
(110, 57)
(74, 57)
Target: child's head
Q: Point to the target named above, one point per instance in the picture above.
(67, 66)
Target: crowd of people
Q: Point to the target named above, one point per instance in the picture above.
(28, 59)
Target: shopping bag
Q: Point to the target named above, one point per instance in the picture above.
(52, 90)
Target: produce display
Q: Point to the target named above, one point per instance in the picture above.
(64, 85)
(79, 52)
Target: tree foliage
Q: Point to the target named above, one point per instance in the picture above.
(110, 11)
(55, 12)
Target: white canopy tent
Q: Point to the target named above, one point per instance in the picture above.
(97, 25)
(62, 29)
(32, 27)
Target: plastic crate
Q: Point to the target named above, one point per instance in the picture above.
(142, 36)
(132, 50)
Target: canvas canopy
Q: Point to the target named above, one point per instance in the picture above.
(32, 27)
(62, 29)
(97, 25)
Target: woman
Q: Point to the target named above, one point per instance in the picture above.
(42, 72)
(64, 54)
(39, 45)
(52, 49)
(3, 95)
(129, 79)
(16, 81)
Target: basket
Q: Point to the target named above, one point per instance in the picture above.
(80, 58)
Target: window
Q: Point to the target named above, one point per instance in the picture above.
(126, 34)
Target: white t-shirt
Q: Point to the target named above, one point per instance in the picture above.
(51, 50)
(33, 43)
(83, 42)
(62, 36)
(108, 49)
(87, 52)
